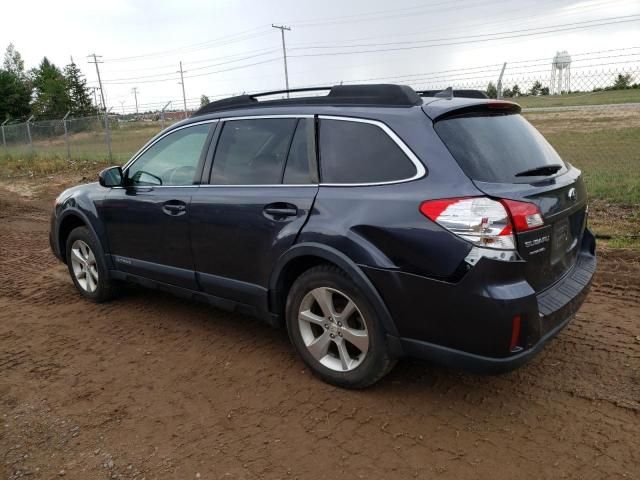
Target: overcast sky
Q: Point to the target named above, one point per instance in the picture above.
(228, 46)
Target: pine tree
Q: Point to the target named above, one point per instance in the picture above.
(78, 92)
(536, 88)
(15, 95)
(51, 92)
(492, 92)
(622, 82)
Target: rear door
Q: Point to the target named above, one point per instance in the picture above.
(506, 157)
(261, 189)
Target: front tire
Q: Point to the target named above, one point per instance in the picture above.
(87, 266)
(335, 329)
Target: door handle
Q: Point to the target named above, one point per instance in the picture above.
(174, 208)
(280, 210)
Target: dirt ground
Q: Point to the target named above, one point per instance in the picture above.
(154, 387)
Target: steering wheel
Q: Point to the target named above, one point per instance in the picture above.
(177, 173)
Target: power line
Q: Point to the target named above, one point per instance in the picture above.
(484, 23)
(197, 46)
(473, 39)
(386, 14)
(458, 38)
(157, 79)
(200, 74)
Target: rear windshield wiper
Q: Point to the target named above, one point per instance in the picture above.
(542, 170)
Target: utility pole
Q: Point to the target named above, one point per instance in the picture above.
(135, 95)
(122, 105)
(104, 104)
(282, 28)
(181, 82)
(96, 62)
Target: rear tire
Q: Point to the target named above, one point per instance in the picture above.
(335, 329)
(87, 266)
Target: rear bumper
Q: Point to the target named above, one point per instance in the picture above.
(468, 325)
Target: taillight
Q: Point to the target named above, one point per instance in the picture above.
(480, 220)
(526, 216)
(488, 224)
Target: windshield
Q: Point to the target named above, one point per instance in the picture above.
(496, 148)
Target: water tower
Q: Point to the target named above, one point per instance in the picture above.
(560, 73)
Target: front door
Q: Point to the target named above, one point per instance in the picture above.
(261, 190)
(147, 221)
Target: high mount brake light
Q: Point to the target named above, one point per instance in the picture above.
(488, 224)
(498, 105)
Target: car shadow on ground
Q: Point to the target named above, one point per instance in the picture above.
(407, 375)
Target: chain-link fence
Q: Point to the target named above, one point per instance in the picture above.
(594, 124)
(77, 139)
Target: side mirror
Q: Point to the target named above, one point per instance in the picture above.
(110, 177)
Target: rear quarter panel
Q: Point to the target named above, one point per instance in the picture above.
(381, 226)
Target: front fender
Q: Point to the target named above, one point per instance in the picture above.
(82, 205)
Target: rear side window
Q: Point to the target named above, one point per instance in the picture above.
(497, 148)
(356, 152)
(252, 152)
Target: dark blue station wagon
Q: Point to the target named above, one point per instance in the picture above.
(373, 222)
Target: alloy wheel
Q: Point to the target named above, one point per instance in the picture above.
(333, 329)
(84, 265)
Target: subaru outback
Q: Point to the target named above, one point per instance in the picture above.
(373, 222)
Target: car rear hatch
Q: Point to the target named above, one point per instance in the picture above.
(507, 158)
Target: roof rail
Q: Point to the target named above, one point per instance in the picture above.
(451, 93)
(387, 95)
(291, 90)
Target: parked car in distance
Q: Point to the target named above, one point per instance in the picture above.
(374, 222)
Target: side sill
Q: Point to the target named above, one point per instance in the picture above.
(218, 302)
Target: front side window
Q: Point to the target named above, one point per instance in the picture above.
(301, 162)
(253, 151)
(171, 161)
(356, 152)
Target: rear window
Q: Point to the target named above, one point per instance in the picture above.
(356, 152)
(496, 148)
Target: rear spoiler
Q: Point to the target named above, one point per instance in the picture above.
(442, 109)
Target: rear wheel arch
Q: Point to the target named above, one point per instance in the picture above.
(301, 258)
